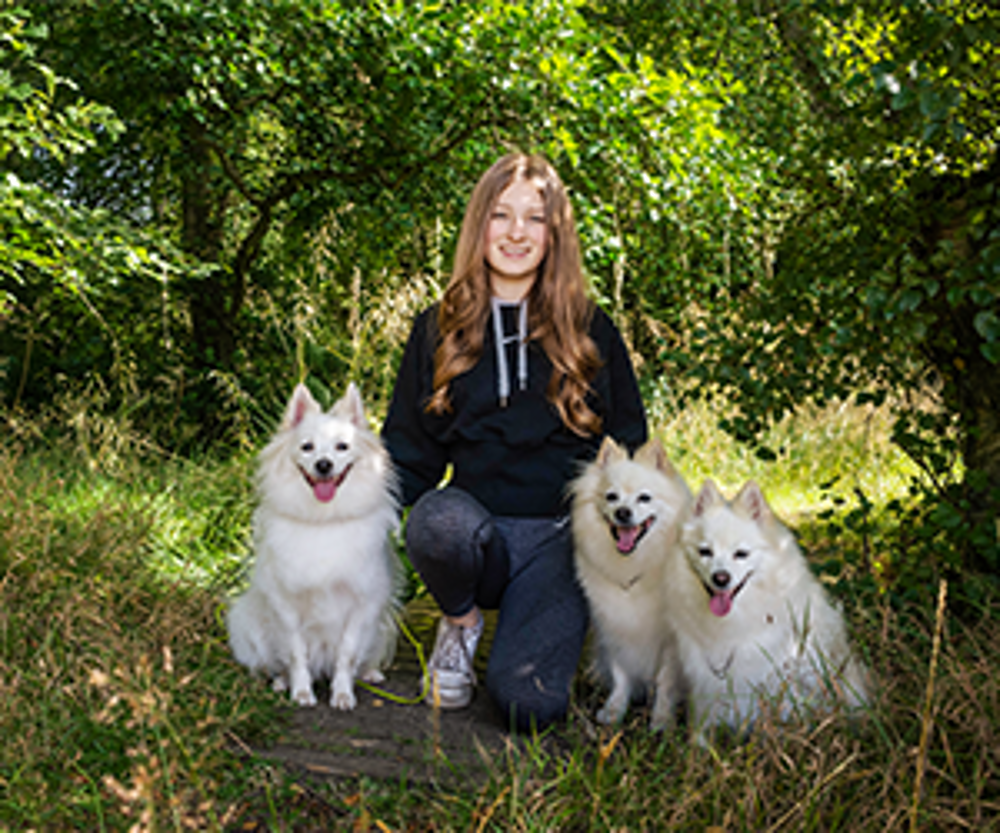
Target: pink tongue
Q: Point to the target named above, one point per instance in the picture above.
(626, 538)
(720, 603)
(324, 490)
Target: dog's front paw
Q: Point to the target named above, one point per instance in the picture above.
(610, 714)
(660, 722)
(663, 715)
(304, 697)
(343, 700)
(374, 676)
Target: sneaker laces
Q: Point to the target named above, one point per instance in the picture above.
(455, 648)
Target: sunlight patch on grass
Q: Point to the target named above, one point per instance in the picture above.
(119, 698)
(844, 443)
(202, 521)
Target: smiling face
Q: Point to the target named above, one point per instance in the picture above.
(635, 499)
(630, 512)
(324, 453)
(727, 544)
(322, 446)
(725, 563)
(517, 239)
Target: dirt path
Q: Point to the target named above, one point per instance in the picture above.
(384, 739)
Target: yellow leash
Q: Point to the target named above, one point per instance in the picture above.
(424, 676)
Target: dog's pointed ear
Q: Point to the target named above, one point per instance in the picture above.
(301, 404)
(610, 452)
(708, 496)
(752, 503)
(351, 406)
(653, 454)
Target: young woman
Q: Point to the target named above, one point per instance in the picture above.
(513, 379)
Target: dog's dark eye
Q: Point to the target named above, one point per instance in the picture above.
(645, 497)
(342, 446)
(705, 552)
(741, 554)
(611, 497)
(307, 446)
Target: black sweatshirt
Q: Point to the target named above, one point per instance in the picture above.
(515, 460)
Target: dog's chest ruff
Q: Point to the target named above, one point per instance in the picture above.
(721, 668)
(306, 557)
(628, 584)
(756, 649)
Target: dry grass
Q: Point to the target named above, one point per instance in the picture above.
(839, 773)
(120, 707)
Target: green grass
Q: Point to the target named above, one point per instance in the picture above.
(120, 707)
(844, 443)
(117, 689)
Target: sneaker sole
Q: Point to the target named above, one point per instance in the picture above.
(451, 694)
(448, 702)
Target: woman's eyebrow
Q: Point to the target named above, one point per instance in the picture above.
(535, 206)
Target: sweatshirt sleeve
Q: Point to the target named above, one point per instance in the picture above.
(625, 417)
(419, 458)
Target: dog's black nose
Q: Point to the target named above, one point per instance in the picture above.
(720, 578)
(623, 515)
(323, 467)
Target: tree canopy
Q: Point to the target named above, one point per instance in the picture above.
(781, 202)
(883, 279)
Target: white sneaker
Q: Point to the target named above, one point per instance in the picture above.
(450, 666)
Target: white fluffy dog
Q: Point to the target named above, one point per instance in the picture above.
(755, 628)
(627, 516)
(325, 580)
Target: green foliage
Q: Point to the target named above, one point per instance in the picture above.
(658, 181)
(258, 135)
(784, 207)
(42, 232)
(876, 235)
(308, 155)
(31, 120)
(120, 699)
(36, 231)
(847, 444)
(58, 258)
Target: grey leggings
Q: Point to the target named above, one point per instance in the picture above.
(524, 568)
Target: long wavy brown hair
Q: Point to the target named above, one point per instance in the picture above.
(559, 311)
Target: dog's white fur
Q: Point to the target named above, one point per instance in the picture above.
(627, 515)
(755, 628)
(325, 579)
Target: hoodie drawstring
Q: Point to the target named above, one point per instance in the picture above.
(521, 337)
